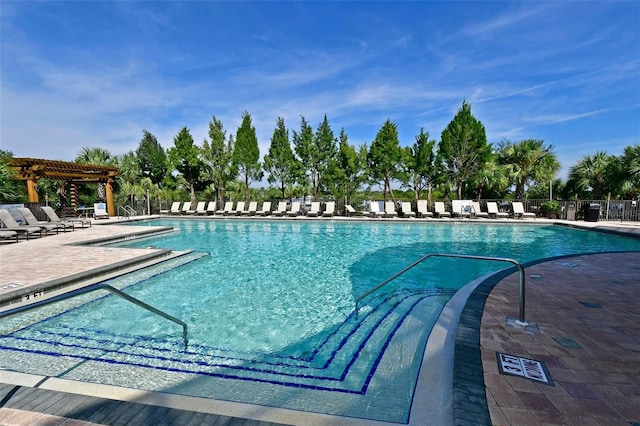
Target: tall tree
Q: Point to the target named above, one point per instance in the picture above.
(348, 171)
(420, 165)
(246, 154)
(280, 162)
(590, 174)
(385, 157)
(9, 187)
(129, 175)
(302, 144)
(217, 156)
(463, 148)
(184, 155)
(628, 176)
(526, 162)
(152, 161)
(323, 150)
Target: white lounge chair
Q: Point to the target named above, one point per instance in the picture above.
(461, 208)
(492, 211)
(329, 209)
(374, 209)
(518, 211)
(423, 211)
(405, 209)
(100, 211)
(251, 210)
(54, 218)
(211, 208)
(200, 209)
(440, 210)
(314, 211)
(281, 210)
(266, 209)
(31, 220)
(186, 207)
(295, 209)
(175, 208)
(228, 208)
(390, 209)
(10, 224)
(239, 208)
(477, 211)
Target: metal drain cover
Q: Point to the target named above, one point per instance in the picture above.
(524, 367)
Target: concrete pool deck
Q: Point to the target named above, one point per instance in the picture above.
(595, 308)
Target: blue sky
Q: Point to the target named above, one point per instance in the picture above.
(88, 74)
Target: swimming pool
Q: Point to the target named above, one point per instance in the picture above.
(270, 312)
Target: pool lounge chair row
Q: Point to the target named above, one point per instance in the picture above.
(251, 209)
(459, 209)
(33, 227)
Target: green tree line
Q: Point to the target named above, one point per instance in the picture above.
(314, 162)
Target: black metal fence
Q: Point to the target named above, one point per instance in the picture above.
(610, 210)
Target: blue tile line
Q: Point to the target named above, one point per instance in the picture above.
(362, 390)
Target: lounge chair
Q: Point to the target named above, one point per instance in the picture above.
(390, 209)
(186, 208)
(281, 210)
(314, 211)
(329, 209)
(11, 225)
(518, 211)
(461, 208)
(54, 218)
(477, 211)
(405, 209)
(265, 210)
(423, 211)
(295, 209)
(200, 209)
(492, 211)
(350, 211)
(100, 211)
(227, 209)
(8, 235)
(31, 220)
(374, 209)
(251, 210)
(211, 208)
(175, 209)
(239, 208)
(440, 209)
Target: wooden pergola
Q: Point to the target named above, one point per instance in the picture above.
(32, 169)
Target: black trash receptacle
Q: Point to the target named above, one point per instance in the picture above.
(592, 212)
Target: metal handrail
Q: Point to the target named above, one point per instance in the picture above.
(84, 290)
(462, 256)
(128, 211)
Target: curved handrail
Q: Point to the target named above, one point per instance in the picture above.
(95, 287)
(462, 256)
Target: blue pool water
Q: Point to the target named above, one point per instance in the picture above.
(270, 311)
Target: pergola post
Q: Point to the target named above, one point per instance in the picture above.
(111, 210)
(31, 191)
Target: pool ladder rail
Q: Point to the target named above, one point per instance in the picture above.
(520, 321)
(96, 287)
(125, 212)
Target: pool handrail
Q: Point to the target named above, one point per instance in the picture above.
(521, 321)
(95, 287)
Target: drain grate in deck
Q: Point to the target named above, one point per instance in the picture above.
(523, 367)
(567, 342)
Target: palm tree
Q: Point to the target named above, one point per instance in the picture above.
(526, 162)
(591, 172)
(98, 156)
